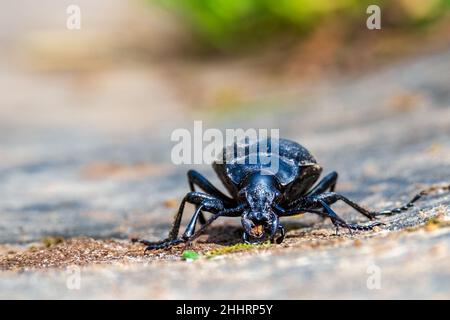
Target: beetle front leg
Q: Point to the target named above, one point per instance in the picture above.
(281, 237)
(190, 236)
(170, 241)
(202, 202)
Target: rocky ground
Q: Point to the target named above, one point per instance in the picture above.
(73, 194)
(85, 166)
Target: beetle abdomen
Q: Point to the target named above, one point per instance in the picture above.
(284, 159)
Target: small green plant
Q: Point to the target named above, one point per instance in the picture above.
(235, 248)
(52, 241)
(190, 255)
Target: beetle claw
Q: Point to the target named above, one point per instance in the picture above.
(161, 245)
(336, 230)
(357, 227)
(282, 235)
(187, 245)
(350, 230)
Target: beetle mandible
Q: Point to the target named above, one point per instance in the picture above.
(261, 196)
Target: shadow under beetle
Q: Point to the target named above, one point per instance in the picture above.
(261, 195)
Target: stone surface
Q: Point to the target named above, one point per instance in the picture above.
(386, 133)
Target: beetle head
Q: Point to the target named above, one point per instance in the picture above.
(259, 220)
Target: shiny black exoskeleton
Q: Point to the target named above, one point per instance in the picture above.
(261, 193)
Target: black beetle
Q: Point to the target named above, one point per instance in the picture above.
(261, 195)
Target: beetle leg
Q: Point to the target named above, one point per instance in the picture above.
(172, 238)
(324, 211)
(282, 234)
(225, 212)
(339, 222)
(205, 202)
(202, 201)
(160, 245)
(327, 183)
(331, 197)
(173, 232)
(190, 228)
(188, 235)
(313, 207)
(195, 178)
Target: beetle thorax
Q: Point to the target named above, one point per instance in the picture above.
(259, 194)
(260, 190)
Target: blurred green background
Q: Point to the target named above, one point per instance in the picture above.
(86, 118)
(234, 25)
(195, 57)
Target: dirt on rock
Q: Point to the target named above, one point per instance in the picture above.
(219, 241)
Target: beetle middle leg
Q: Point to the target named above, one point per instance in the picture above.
(313, 201)
(331, 197)
(202, 201)
(320, 204)
(196, 178)
(327, 183)
(339, 222)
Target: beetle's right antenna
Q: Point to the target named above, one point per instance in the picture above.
(410, 204)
